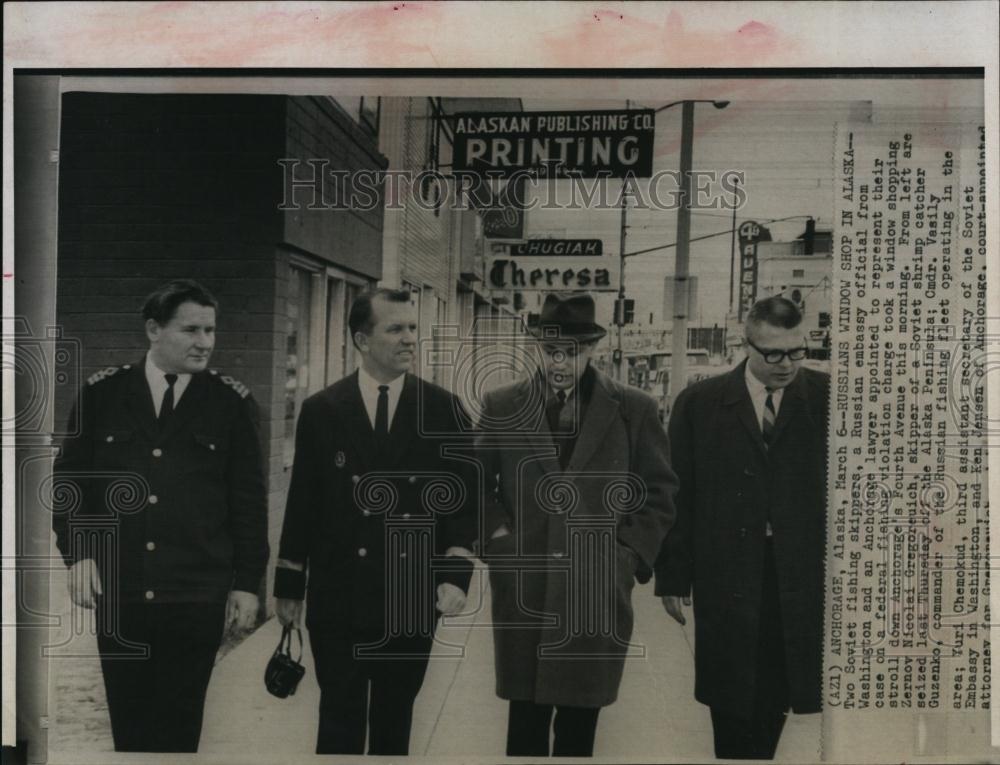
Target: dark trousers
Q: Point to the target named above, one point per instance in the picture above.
(756, 736)
(370, 696)
(528, 731)
(156, 702)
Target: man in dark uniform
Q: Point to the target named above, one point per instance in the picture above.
(167, 537)
(749, 448)
(381, 518)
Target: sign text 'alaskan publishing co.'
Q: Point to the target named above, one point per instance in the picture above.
(595, 274)
(590, 144)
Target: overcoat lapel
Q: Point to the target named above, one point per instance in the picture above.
(530, 397)
(140, 402)
(791, 402)
(355, 421)
(601, 412)
(738, 399)
(404, 421)
(191, 403)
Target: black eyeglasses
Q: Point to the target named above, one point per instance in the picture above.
(775, 356)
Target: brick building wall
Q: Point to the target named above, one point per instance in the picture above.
(155, 187)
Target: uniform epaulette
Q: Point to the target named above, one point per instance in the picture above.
(232, 382)
(108, 372)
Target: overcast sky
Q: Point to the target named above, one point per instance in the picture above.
(781, 135)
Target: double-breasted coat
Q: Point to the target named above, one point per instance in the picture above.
(561, 582)
(730, 486)
(372, 528)
(173, 516)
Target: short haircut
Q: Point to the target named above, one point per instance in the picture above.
(162, 304)
(777, 311)
(360, 318)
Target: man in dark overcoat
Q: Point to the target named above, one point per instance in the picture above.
(168, 535)
(749, 448)
(380, 520)
(579, 497)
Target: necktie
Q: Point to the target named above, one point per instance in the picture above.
(555, 409)
(167, 406)
(767, 426)
(382, 417)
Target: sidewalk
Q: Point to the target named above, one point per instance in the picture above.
(457, 713)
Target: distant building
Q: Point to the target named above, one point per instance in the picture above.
(785, 268)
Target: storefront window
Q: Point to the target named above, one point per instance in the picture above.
(341, 355)
(298, 311)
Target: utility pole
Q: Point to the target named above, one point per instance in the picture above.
(619, 354)
(620, 373)
(678, 359)
(732, 255)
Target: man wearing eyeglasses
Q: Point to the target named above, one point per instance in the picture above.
(749, 449)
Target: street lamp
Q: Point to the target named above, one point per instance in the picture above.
(716, 104)
(683, 236)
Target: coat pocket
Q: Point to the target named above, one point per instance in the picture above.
(628, 562)
(209, 453)
(115, 448)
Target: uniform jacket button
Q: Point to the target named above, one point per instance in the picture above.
(355, 478)
(157, 452)
(150, 546)
(743, 531)
(109, 439)
(150, 595)
(153, 499)
(412, 479)
(366, 512)
(557, 555)
(362, 552)
(406, 515)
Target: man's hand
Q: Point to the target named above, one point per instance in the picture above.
(451, 599)
(84, 583)
(289, 611)
(672, 605)
(241, 609)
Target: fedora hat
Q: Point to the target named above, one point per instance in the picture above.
(567, 316)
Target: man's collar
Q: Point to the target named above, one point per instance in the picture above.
(584, 386)
(153, 372)
(755, 386)
(367, 382)
(567, 392)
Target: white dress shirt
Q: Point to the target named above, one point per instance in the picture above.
(369, 394)
(567, 392)
(155, 378)
(758, 395)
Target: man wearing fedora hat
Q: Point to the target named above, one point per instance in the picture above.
(579, 497)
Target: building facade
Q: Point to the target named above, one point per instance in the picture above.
(223, 189)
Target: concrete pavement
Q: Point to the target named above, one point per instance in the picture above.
(457, 716)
